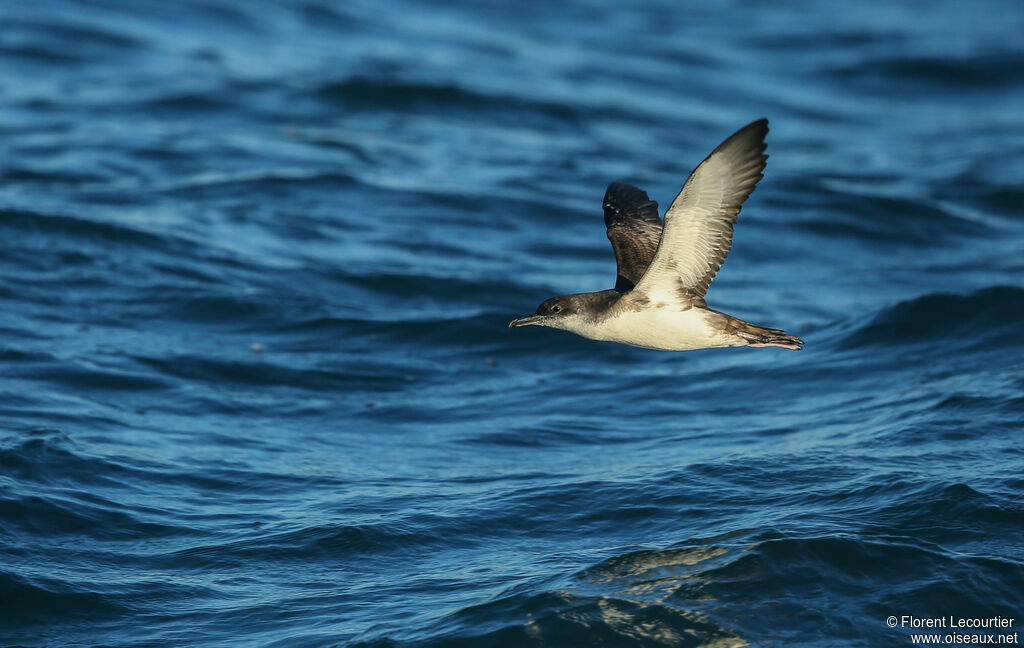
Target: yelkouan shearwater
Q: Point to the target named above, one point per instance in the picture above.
(664, 271)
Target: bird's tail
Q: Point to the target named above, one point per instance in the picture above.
(758, 336)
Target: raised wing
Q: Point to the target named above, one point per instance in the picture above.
(634, 228)
(698, 226)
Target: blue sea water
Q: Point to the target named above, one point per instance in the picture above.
(257, 260)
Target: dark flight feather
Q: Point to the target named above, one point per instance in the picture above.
(634, 229)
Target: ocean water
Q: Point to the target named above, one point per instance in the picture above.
(257, 260)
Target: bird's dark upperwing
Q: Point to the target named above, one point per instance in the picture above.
(634, 229)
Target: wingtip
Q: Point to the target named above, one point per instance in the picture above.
(758, 126)
(758, 123)
(749, 140)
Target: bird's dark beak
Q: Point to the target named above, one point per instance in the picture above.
(526, 321)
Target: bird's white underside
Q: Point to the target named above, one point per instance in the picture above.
(663, 327)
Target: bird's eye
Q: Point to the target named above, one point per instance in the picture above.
(556, 309)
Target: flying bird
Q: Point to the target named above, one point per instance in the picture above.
(664, 270)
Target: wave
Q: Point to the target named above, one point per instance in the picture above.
(49, 42)
(989, 317)
(566, 618)
(856, 212)
(679, 595)
(213, 182)
(73, 226)
(984, 71)
(27, 175)
(78, 375)
(34, 602)
(402, 94)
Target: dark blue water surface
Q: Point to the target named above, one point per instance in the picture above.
(257, 260)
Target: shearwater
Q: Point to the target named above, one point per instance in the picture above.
(664, 271)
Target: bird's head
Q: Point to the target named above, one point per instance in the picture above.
(561, 312)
